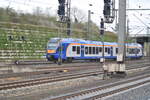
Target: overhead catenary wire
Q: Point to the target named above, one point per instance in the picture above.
(141, 21)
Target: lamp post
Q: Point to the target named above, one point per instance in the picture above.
(89, 22)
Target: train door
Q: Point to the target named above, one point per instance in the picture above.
(82, 51)
(73, 51)
(113, 51)
(107, 51)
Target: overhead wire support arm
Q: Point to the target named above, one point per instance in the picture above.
(134, 9)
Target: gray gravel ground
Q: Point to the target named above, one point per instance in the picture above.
(140, 93)
(59, 88)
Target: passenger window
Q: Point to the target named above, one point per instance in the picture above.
(90, 50)
(131, 51)
(93, 50)
(74, 48)
(97, 50)
(100, 49)
(86, 50)
(106, 49)
(78, 50)
(116, 50)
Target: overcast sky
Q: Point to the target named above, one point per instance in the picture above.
(97, 8)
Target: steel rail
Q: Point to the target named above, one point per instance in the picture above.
(31, 82)
(5, 86)
(86, 92)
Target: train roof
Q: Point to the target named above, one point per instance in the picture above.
(75, 40)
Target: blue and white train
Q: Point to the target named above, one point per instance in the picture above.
(79, 49)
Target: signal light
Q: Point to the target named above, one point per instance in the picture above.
(107, 7)
(109, 11)
(61, 8)
(102, 27)
(107, 1)
(61, 1)
(106, 11)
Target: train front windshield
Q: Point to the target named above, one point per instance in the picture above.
(52, 46)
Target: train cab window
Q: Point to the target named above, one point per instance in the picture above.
(137, 51)
(93, 50)
(131, 51)
(78, 50)
(106, 49)
(100, 49)
(74, 48)
(90, 50)
(97, 50)
(116, 50)
(86, 50)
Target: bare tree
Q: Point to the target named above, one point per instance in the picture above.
(78, 15)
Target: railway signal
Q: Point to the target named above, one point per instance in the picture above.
(109, 11)
(61, 8)
(107, 6)
(61, 1)
(102, 27)
(64, 14)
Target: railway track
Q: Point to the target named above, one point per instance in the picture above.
(38, 81)
(55, 78)
(47, 70)
(43, 62)
(106, 90)
(77, 67)
(31, 82)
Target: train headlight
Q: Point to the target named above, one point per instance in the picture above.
(50, 51)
